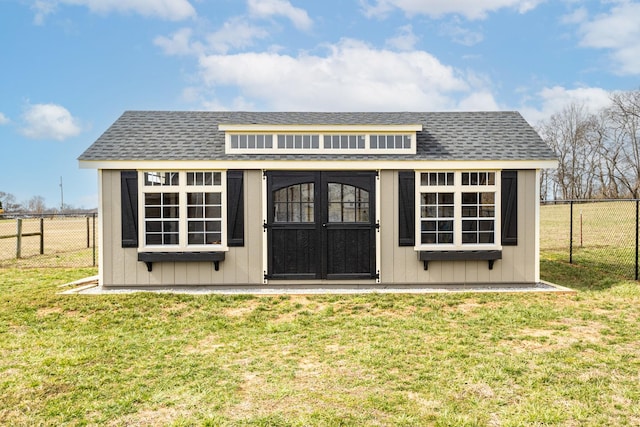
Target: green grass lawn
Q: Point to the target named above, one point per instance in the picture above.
(448, 359)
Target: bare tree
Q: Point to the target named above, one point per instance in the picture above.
(575, 135)
(36, 205)
(9, 203)
(624, 124)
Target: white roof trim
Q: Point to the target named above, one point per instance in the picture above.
(319, 128)
(320, 164)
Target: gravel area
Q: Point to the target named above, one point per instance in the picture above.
(89, 286)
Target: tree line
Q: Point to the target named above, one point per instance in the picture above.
(35, 205)
(598, 152)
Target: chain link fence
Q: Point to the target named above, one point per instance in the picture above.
(602, 234)
(60, 240)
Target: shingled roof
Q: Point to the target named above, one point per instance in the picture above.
(194, 135)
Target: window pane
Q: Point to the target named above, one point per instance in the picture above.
(213, 226)
(213, 198)
(170, 212)
(429, 225)
(153, 239)
(469, 211)
(195, 226)
(469, 225)
(170, 226)
(152, 199)
(153, 226)
(196, 239)
(170, 239)
(469, 198)
(445, 212)
(445, 198)
(428, 238)
(213, 212)
(485, 237)
(194, 212)
(152, 212)
(445, 238)
(469, 238)
(373, 141)
(195, 198)
(213, 238)
(486, 225)
(170, 198)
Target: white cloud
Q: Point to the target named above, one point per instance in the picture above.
(352, 76)
(460, 34)
(236, 33)
(3, 119)
(171, 10)
(179, 43)
(552, 100)
(269, 8)
(471, 9)
(405, 39)
(617, 31)
(49, 121)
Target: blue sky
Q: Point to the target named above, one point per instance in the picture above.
(69, 68)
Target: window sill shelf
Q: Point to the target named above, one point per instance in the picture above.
(459, 255)
(150, 257)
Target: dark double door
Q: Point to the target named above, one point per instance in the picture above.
(321, 225)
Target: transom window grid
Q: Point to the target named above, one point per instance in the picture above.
(186, 211)
(159, 179)
(321, 143)
(458, 210)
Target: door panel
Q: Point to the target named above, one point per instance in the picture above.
(321, 225)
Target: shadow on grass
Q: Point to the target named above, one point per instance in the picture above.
(556, 269)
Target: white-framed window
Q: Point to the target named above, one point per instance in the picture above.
(182, 210)
(458, 209)
(321, 143)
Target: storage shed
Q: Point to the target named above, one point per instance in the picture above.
(290, 198)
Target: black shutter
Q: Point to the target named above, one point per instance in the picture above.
(509, 208)
(406, 208)
(129, 206)
(235, 208)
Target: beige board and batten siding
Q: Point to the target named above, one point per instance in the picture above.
(400, 264)
(243, 265)
(120, 266)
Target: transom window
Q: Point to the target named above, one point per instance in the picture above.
(457, 209)
(321, 142)
(182, 209)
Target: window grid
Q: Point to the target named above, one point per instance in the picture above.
(321, 142)
(162, 218)
(204, 218)
(183, 209)
(458, 209)
(478, 217)
(437, 218)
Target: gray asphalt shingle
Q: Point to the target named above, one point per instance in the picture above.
(194, 135)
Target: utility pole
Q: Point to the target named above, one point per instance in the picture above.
(61, 197)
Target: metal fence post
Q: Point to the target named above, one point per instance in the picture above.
(41, 236)
(88, 242)
(571, 232)
(94, 239)
(637, 236)
(18, 237)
